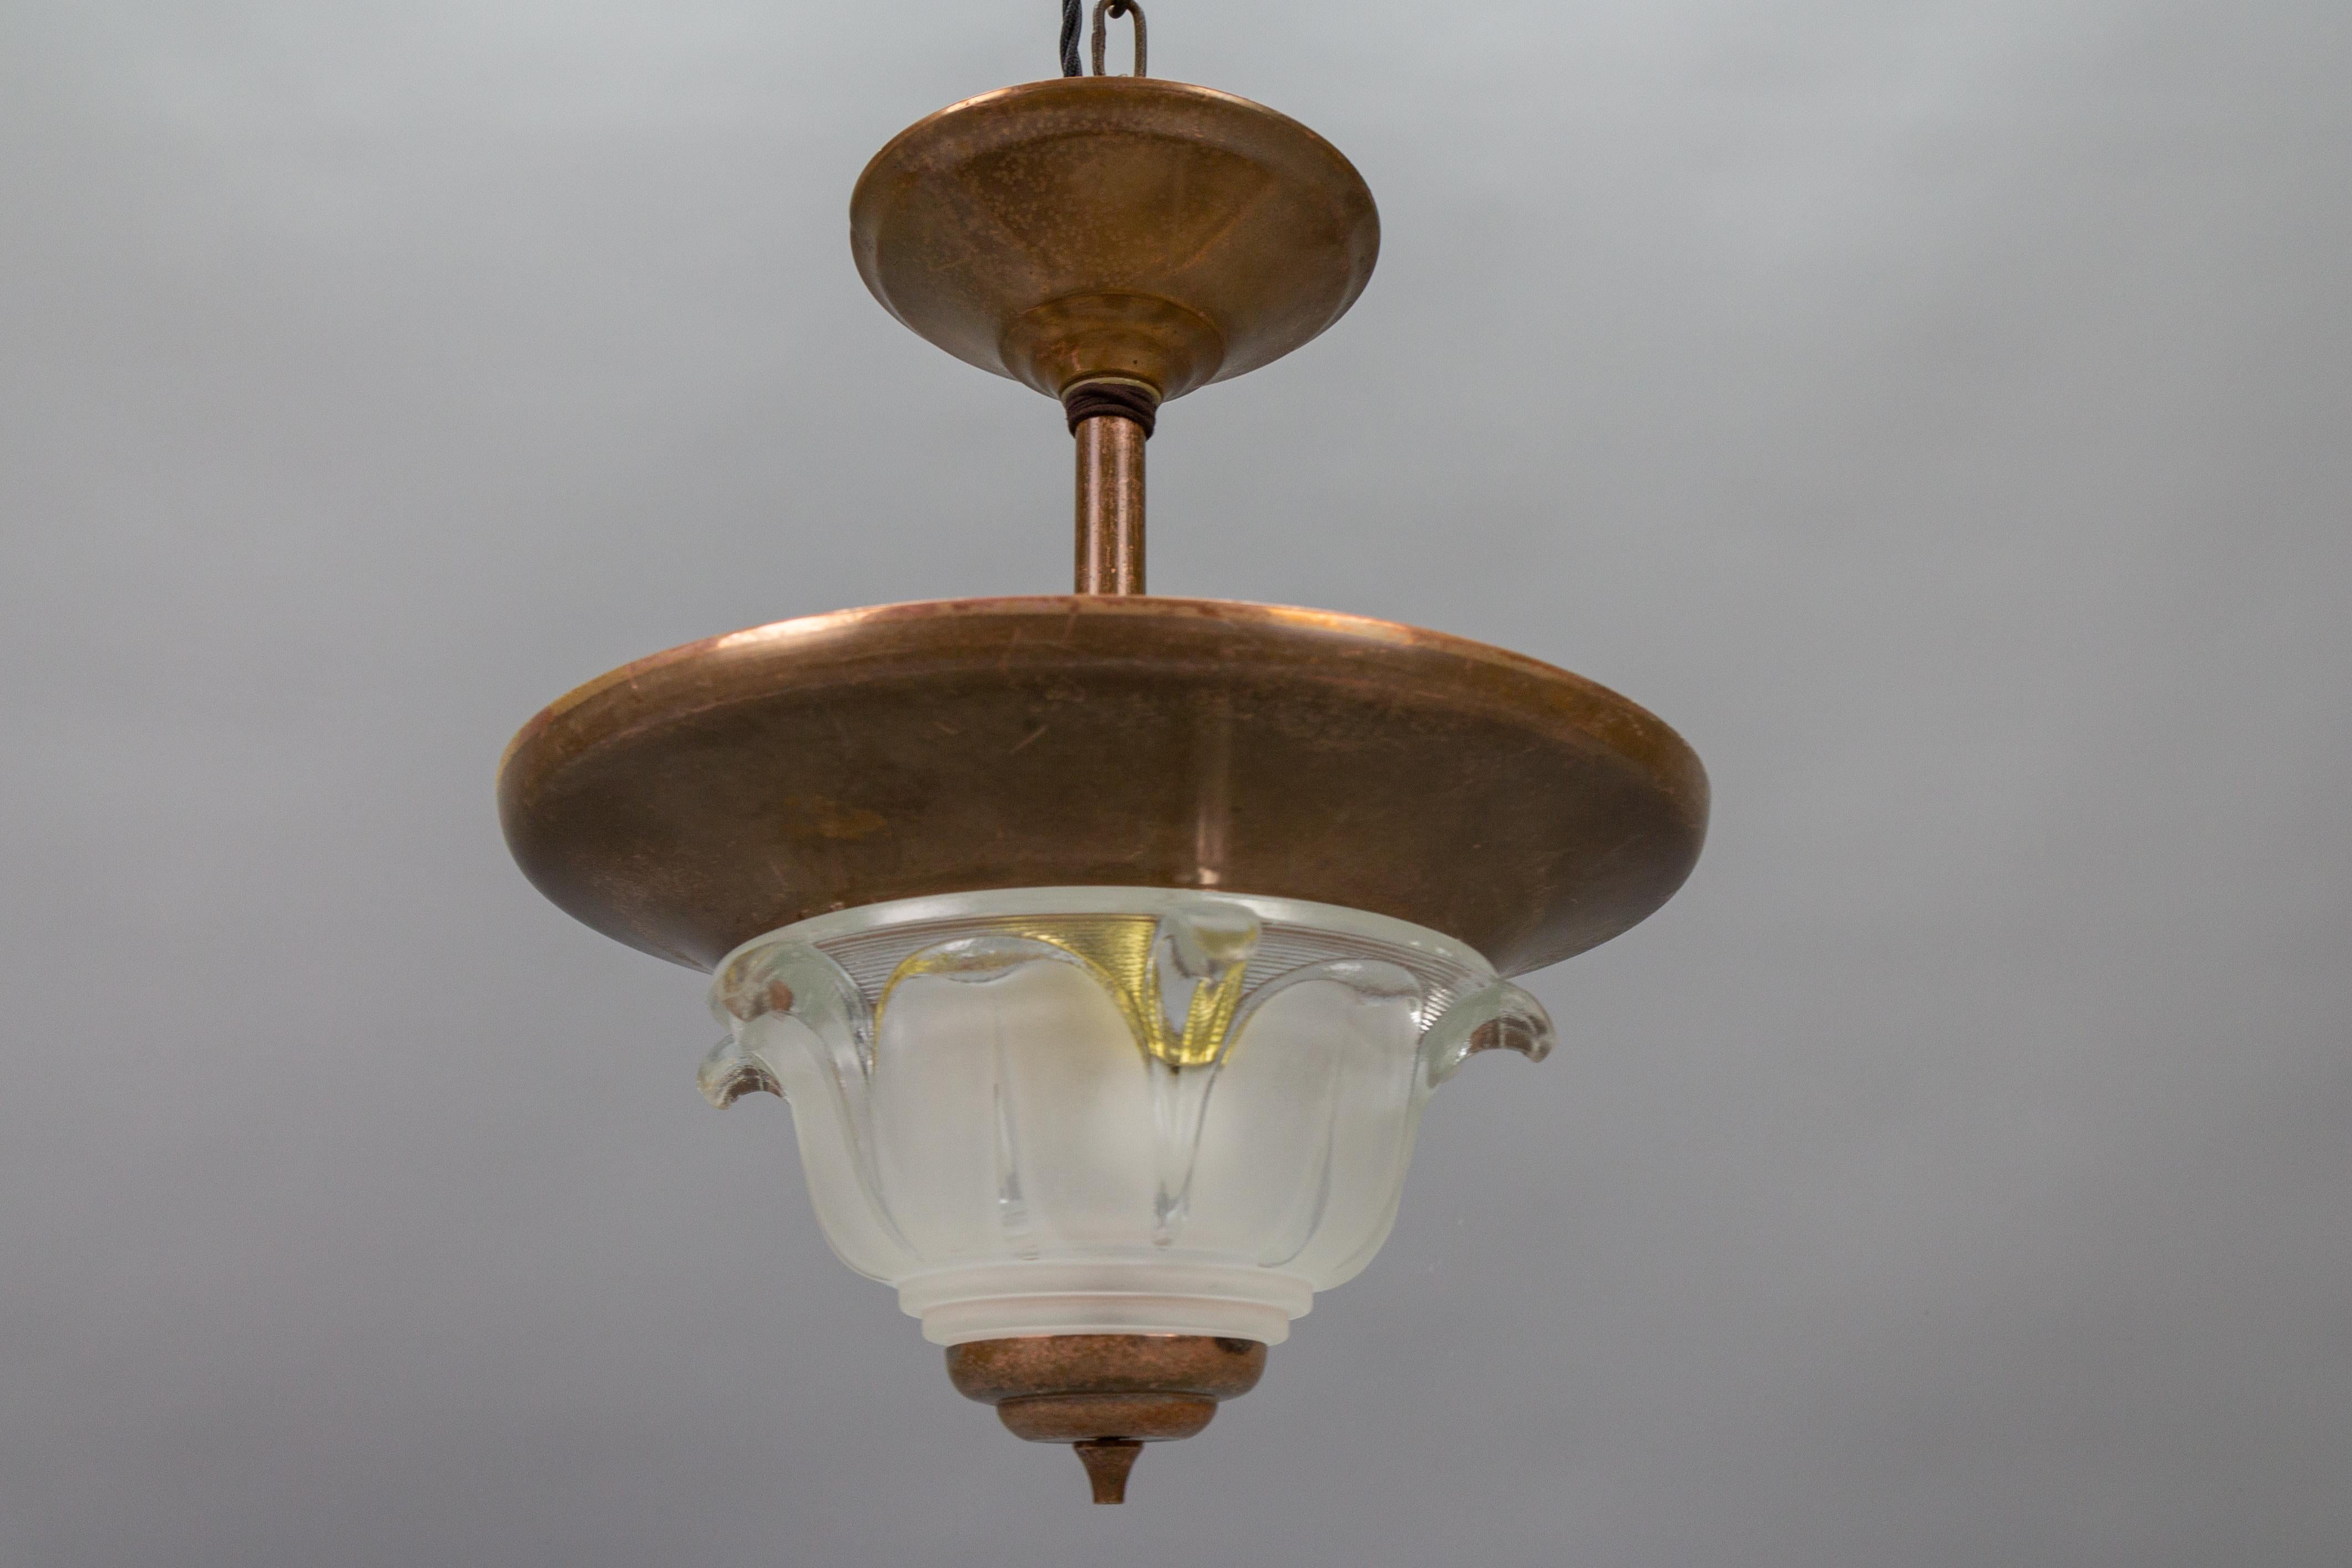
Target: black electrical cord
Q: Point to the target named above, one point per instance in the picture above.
(1073, 15)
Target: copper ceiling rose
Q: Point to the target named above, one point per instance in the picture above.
(1113, 226)
(1114, 241)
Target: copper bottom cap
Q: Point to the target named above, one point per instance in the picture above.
(1106, 1395)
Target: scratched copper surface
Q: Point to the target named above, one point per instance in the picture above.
(698, 797)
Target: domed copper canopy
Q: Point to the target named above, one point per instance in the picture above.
(692, 800)
(1113, 226)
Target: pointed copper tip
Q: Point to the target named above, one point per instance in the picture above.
(1108, 1461)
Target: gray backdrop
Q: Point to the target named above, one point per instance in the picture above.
(1937, 411)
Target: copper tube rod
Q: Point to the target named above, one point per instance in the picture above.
(1110, 504)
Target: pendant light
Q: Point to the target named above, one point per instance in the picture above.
(1106, 947)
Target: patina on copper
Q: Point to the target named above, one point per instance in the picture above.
(1106, 1395)
(1113, 225)
(694, 800)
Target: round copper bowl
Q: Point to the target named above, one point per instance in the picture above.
(1117, 226)
(690, 801)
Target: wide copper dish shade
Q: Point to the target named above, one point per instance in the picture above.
(1117, 227)
(687, 802)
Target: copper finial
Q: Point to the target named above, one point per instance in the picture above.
(1106, 1395)
(1109, 1461)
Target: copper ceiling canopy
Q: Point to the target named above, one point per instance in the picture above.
(1118, 227)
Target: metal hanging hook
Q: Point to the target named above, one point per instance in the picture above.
(1107, 8)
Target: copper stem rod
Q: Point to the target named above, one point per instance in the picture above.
(1110, 504)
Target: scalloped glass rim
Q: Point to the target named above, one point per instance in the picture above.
(1016, 902)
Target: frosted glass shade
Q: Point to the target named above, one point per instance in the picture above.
(1106, 1109)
